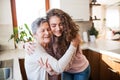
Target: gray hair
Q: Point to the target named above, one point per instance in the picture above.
(36, 24)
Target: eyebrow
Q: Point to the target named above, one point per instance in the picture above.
(53, 24)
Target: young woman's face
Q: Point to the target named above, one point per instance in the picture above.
(43, 33)
(56, 26)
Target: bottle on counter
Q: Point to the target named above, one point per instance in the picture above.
(85, 36)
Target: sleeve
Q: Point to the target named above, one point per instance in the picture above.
(59, 65)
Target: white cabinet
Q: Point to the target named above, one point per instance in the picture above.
(77, 9)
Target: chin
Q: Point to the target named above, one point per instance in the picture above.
(47, 41)
(58, 35)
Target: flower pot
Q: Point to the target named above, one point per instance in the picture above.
(92, 38)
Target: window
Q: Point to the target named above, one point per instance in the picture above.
(28, 10)
(112, 18)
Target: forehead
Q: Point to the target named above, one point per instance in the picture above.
(54, 18)
(43, 25)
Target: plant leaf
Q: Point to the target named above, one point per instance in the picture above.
(28, 29)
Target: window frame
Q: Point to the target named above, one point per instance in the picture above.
(13, 10)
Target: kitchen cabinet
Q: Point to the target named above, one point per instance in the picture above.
(103, 67)
(109, 68)
(94, 59)
(78, 9)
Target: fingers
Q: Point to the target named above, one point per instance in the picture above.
(29, 47)
(46, 66)
(46, 63)
(76, 41)
(41, 62)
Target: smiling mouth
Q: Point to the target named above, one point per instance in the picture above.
(47, 37)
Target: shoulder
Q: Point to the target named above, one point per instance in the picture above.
(39, 48)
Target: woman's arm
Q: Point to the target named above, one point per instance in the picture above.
(60, 65)
(57, 65)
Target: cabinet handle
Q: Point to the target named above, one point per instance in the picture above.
(113, 70)
(115, 60)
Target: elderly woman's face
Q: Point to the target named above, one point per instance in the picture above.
(56, 26)
(43, 33)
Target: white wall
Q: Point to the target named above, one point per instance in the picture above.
(5, 12)
(54, 4)
(6, 28)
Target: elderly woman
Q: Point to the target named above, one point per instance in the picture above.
(42, 34)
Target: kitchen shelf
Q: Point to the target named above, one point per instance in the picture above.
(95, 19)
(95, 4)
(91, 19)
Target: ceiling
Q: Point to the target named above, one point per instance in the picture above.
(108, 2)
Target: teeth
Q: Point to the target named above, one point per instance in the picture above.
(46, 37)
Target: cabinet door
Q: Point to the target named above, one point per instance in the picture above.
(77, 9)
(94, 60)
(109, 68)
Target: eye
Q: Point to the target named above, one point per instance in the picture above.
(49, 29)
(42, 30)
(60, 24)
(53, 25)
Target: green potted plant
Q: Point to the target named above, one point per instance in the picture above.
(93, 33)
(21, 34)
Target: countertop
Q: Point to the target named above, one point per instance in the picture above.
(108, 47)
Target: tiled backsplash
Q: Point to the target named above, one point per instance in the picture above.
(84, 26)
(5, 32)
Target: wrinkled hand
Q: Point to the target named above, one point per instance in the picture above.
(47, 67)
(29, 47)
(76, 41)
(41, 63)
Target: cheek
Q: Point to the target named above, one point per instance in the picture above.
(38, 36)
(50, 32)
(61, 28)
(52, 28)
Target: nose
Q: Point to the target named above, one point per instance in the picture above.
(46, 32)
(58, 28)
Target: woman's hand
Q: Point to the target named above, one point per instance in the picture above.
(29, 47)
(47, 67)
(76, 41)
